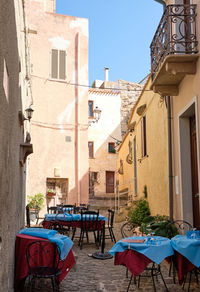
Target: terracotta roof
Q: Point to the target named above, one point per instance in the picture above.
(104, 91)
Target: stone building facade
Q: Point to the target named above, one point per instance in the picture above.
(115, 100)
(59, 61)
(14, 97)
(129, 93)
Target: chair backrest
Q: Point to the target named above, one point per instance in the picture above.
(79, 208)
(31, 214)
(89, 220)
(182, 226)
(28, 222)
(52, 210)
(42, 254)
(111, 214)
(69, 208)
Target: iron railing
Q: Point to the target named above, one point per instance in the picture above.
(176, 34)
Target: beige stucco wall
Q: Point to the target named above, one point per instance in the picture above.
(152, 170)
(60, 109)
(12, 198)
(189, 90)
(108, 129)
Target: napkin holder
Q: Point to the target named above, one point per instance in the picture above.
(193, 234)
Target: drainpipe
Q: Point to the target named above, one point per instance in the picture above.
(169, 118)
(77, 134)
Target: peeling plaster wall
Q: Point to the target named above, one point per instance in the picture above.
(13, 88)
(60, 109)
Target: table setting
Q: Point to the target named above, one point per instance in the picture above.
(29, 235)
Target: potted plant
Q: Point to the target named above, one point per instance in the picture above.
(51, 192)
(35, 204)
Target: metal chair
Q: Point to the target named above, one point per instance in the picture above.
(109, 226)
(35, 212)
(89, 223)
(182, 227)
(70, 208)
(52, 210)
(43, 259)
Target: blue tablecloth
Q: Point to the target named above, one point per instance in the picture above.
(70, 217)
(189, 248)
(156, 251)
(65, 243)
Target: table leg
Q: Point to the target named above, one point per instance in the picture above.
(102, 255)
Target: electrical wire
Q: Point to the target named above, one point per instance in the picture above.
(89, 86)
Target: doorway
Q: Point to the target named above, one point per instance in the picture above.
(189, 166)
(110, 181)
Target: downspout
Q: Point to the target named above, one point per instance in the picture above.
(77, 138)
(169, 118)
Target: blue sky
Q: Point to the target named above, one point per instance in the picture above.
(120, 33)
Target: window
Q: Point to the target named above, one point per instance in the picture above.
(58, 64)
(91, 149)
(90, 109)
(143, 135)
(111, 147)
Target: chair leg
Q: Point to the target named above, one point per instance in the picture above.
(163, 279)
(113, 235)
(152, 276)
(129, 283)
(73, 232)
(32, 284)
(53, 284)
(189, 281)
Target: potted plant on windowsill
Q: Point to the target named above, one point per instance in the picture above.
(51, 192)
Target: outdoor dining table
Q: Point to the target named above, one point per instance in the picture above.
(138, 251)
(187, 254)
(29, 235)
(70, 220)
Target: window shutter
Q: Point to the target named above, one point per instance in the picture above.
(62, 65)
(54, 64)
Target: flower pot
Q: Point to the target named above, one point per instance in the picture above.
(51, 194)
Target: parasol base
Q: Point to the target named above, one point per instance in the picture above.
(102, 256)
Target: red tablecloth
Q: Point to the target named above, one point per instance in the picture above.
(182, 265)
(133, 260)
(21, 268)
(47, 224)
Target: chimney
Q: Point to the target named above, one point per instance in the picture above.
(50, 6)
(106, 73)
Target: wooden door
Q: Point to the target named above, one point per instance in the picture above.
(110, 181)
(194, 173)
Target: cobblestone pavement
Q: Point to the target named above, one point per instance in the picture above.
(91, 275)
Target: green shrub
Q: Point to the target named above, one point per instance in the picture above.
(140, 212)
(160, 228)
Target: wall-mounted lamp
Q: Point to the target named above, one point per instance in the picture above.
(96, 114)
(29, 113)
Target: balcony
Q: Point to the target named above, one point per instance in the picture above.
(174, 49)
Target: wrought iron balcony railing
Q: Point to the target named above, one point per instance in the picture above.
(176, 34)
